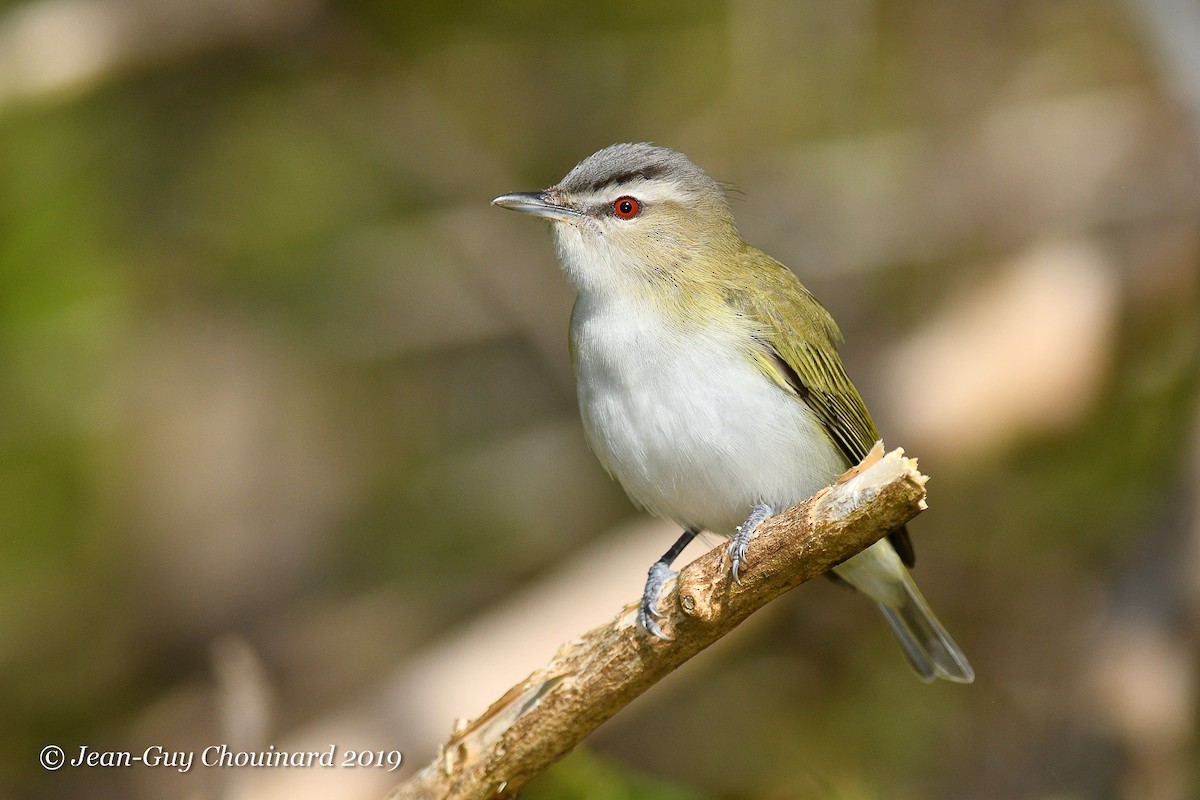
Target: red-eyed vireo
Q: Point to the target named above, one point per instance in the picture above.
(708, 375)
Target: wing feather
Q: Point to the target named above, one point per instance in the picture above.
(797, 340)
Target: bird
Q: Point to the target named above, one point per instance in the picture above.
(708, 377)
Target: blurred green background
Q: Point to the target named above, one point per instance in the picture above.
(289, 451)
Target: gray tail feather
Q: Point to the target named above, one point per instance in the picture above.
(930, 650)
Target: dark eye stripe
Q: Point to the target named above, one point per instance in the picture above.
(646, 173)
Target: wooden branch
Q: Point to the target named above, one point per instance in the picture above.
(541, 719)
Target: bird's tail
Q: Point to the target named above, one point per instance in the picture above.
(929, 648)
(879, 573)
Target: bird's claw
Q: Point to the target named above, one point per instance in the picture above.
(737, 553)
(741, 540)
(648, 613)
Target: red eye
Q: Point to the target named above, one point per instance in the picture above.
(626, 207)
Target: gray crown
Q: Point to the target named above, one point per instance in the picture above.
(620, 163)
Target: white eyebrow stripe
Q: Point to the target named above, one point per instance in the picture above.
(645, 191)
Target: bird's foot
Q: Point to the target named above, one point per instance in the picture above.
(741, 540)
(648, 613)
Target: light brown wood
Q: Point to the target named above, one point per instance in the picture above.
(541, 719)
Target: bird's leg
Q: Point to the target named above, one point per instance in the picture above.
(740, 540)
(660, 572)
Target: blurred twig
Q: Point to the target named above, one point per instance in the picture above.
(542, 718)
(50, 48)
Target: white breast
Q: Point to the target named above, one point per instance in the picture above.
(687, 423)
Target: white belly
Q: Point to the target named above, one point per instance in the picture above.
(690, 426)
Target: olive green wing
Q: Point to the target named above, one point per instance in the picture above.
(797, 348)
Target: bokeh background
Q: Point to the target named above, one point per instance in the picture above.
(289, 452)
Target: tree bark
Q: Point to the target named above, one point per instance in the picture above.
(542, 718)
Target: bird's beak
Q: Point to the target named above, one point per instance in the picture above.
(539, 204)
